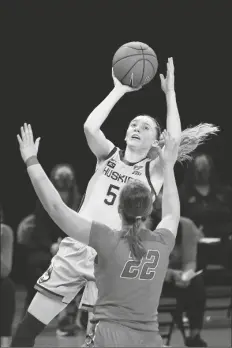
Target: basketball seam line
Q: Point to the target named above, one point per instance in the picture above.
(130, 69)
(143, 69)
(132, 55)
(143, 49)
(151, 65)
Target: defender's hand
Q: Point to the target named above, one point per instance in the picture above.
(27, 145)
(169, 153)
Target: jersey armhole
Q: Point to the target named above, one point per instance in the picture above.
(112, 152)
(103, 159)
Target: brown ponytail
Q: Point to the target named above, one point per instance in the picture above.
(132, 235)
(135, 205)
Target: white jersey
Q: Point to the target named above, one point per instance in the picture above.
(102, 195)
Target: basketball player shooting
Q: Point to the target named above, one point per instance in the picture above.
(132, 260)
(72, 266)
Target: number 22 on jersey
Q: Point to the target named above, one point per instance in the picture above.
(143, 269)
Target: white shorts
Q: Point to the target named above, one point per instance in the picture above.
(70, 270)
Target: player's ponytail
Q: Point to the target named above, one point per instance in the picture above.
(135, 205)
(191, 138)
(133, 237)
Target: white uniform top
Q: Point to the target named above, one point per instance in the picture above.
(101, 198)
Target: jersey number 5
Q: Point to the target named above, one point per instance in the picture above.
(140, 269)
(111, 195)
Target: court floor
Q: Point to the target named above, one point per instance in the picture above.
(217, 330)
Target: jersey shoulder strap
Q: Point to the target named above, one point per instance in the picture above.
(112, 153)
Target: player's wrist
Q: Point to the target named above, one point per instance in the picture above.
(170, 93)
(32, 160)
(119, 90)
(168, 165)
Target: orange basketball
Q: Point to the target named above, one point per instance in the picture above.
(135, 64)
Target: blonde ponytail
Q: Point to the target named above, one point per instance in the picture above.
(192, 137)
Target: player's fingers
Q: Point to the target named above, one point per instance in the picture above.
(170, 70)
(159, 150)
(37, 143)
(23, 135)
(162, 78)
(25, 127)
(26, 131)
(19, 139)
(164, 137)
(172, 64)
(170, 138)
(30, 133)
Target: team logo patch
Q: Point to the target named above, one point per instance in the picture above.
(46, 276)
(136, 170)
(111, 163)
(138, 167)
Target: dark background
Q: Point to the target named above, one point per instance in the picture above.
(56, 67)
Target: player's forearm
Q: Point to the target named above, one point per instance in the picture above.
(170, 200)
(173, 118)
(44, 189)
(101, 112)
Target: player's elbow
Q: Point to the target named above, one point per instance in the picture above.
(88, 128)
(55, 209)
(57, 212)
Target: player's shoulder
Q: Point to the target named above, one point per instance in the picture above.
(98, 226)
(113, 155)
(162, 235)
(164, 232)
(114, 152)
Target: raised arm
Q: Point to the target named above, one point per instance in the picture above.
(67, 219)
(170, 199)
(96, 140)
(173, 124)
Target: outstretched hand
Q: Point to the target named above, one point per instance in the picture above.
(168, 82)
(169, 153)
(27, 145)
(124, 88)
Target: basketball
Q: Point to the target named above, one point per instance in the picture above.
(135, 64)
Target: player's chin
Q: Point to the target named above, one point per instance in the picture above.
(135, 143)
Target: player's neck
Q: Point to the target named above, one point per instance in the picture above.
(134, 155)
